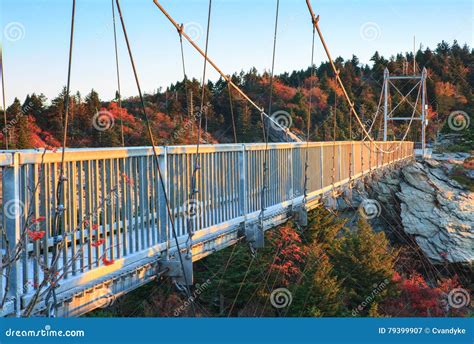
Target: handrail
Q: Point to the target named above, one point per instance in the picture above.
(116, 190)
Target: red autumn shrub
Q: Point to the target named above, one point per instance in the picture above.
(416, 298)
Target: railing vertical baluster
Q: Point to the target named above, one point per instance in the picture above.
(220, 171)
(146, 204)
(12, 224)
(81, 215)
(156, 204)
(242, 171)
(207, 209)
(45, 208)
(105, 193)
(118, 207)
(89, 216)
(226, 201)
(289, 175)
(96, 207)
(36, 211)
(24, 213)
(136, 197)
(164, 220)
(129, 202)
(124, 204)
(48, 206)
(322, 165)
(339, 160)
(214, 189)
(65, 217)
(153, 208)
(141, 173)
(73, 214)
(234, 187)
(111, 203)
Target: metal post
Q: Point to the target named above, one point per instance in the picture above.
(414, 54)
(242, 182)
(386, 75)
(12, 212)
(423, 111)
(165, 222)
(322, 165)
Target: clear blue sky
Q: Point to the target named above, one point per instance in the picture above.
(241, 37)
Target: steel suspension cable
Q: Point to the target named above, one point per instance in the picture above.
(399, 144)
(119, 95)
(183, 63)
(59, 211)
(155, 154)
(308, 121)
(5, 129)
(217, 69)
(231, 106)
(204, 70)
(378, 108)
(315, 21)
(197, 163)
(273, 59)
(266, 128)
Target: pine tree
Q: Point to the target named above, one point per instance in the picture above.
(364, 263)
(319, 292)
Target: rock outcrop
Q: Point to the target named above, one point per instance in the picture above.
(420, 197)
(438, 211)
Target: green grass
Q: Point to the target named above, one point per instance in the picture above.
(465, 181)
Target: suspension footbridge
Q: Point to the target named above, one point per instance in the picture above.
(85, 226)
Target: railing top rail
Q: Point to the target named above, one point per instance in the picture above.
(36, 156)
(6, 159)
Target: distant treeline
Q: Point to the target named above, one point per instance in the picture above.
(92, 122)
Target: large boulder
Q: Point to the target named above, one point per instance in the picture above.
(438, 212)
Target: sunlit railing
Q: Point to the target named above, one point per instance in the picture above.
(114, 206)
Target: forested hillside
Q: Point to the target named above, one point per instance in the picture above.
(37, 121)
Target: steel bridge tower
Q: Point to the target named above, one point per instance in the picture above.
(418, 116)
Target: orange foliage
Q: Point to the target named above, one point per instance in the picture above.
(445, 89)
(40, 138)
(291, 254)
(285, 93)
(334, 86)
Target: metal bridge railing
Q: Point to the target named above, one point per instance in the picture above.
(114, 206)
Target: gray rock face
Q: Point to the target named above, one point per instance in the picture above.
(438, 212)
(421, 198)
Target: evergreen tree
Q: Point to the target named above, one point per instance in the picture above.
(364, 262)
(319, 293)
